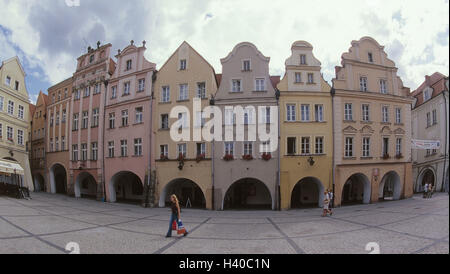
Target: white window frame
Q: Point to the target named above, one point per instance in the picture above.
(139, 115)
(385, 114)
(138, 147)
(348, 112)
(235, 87)
(318, 112)
(305, 146)
(305, 112)
(141, 85)
(260, 84)
(319, 145)
(365, 112)
(366, 146)
(183, 94)
(165, 94)
(291, 115)
(348, 148)
(123, 148)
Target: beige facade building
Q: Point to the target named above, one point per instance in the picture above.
(183, 167)
(14, 125)
(372, 127)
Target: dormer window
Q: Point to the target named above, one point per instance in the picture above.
(370, 57)
(426, 95)
(302, 59)
(236, 85)
(8, 81)
(183, 64)
(17, 85)
(246, 65)
(128, 65)
(91, 58)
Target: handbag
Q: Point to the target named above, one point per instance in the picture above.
(181, 229)
(174, 225)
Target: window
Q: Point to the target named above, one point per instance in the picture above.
(164, 121)
(265, 147)
(77, 94)
(365, 112)
(65, 93)
(20, 137)
(201, 90)
(138, 147)
(87, 91)
(305, 145)
(310, 78)
(83, 152)
(95, 117)
(290, 113)
(305, 113)
(246, 65)
(319, 145)
(165, 94)
(74, 152)
(63, 142)
(113, 92)
(348, 147)
(2, 99)
(385, 146)
(85, 120)
(164, 150)
(363, 83)
(182, 150)
(229, 148)
(398, 115)
(125, 117)
(248, 148)
(91, 58)
(433, 112)
(428, 152)
(51, 145)
(57, 118)
(385, 113)
(10, 134)
(291, 145)
(428, 119)
(302, 59)
(426, 95)
(53, 98)
(236, 85)
(183, 64)
(1, 130)
(21, 112)
(75, 121)
(370, 57)
(318, 113)
(260, 84)
(201, 149)
(266, 115)
(123, 148)
(8, 81)
(59, 95)
(383, 86)
(366, 147)
(112, 120)
(129, 62)
(298, 77)
(51, 119)
(141, 85)
(348, 112)
(10, 107)
(94, 151)
(183, 92)
(139, 115)
(111, 149)
(126, 88)
(16, 86)
(398, 147)
(229, 117)
(97, 88)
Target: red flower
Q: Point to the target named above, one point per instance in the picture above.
(228, 157)
(247, 157)
(266, 156)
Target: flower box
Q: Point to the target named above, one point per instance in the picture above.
(228, 157)
(386, 156)
(266, 156)
(200, 157)
(163, 157)
(247, 157)
(399, 156)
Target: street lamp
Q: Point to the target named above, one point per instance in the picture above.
(311, 161)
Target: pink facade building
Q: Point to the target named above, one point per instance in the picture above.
(86, 141)
(127, 147)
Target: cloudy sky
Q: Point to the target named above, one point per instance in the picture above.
(48, 35)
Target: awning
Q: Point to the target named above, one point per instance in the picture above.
(11, 168)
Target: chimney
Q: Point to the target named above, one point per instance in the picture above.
(428, 80)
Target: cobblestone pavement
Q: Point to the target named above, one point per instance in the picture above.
(47, 223)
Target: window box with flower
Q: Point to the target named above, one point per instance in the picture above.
(247, 157)
(163, 157)
(228, 157)
(200, 157)
(399, 156)
(386, 156)
(266, 156)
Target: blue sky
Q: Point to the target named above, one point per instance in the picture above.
(48, 35)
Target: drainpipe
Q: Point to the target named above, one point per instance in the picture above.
(445, 151)
(146, 204)
(277, 95)
(212, 102)
(105, 82)
(333, 92)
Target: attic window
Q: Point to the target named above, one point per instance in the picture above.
(302, 59)
(8, 80)
(426, 95)
(370, 57)
(91, 58)
(17, 85)
(182, 64)
(246, 65)
(128, 65)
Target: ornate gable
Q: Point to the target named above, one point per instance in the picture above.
(386, 130)
(350, 130)
(367, 130)
(399, 131)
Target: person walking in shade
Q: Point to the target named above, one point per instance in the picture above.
(331, 201)
(326, 202)
(425, 191)
(175, 216)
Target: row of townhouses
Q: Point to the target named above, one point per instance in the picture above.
(122, 130)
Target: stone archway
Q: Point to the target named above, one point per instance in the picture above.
(308, 192)
(427, 175)
(356, 190)
(187, 192)
(58, 179)
(85, 186)
(390, 187)
(126, 187)
(248, 193)
(39, 183)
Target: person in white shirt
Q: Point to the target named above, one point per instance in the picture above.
(425, 190)
(326, 203)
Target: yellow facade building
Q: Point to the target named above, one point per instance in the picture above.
(305, 130)
(14, 125)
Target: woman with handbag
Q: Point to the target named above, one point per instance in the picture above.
(175, 216)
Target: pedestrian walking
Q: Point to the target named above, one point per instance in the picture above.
(425, 191)
(430, 190)
(326, 203)
(330, 204)
(175, 216)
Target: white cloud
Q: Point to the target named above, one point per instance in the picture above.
(51, 34)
